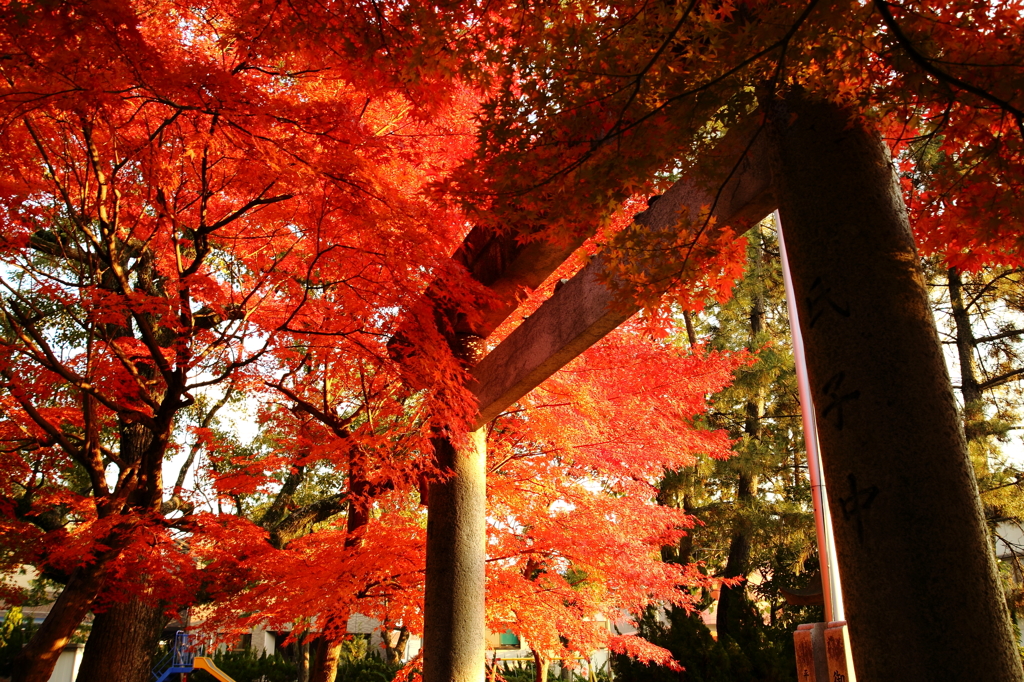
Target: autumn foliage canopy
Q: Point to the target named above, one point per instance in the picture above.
(219, 213)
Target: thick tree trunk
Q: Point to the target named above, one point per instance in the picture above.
(454, 643)
(325, 665)
(38, 659)
(125, 636)
(393, 654)
(137, 447)
(122, 642)
(922, 596)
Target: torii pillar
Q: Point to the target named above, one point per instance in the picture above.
(922, 596)
(454, 631)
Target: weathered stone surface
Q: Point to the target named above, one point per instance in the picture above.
(509, 268)
(923, 600)
(453, 617)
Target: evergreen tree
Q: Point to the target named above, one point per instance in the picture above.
(981, 312)
(756, 520)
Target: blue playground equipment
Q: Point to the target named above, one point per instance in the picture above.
(179, 660)
(183, 659)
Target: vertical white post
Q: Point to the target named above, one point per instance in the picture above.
(822, 519)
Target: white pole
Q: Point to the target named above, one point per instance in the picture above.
(822, 519)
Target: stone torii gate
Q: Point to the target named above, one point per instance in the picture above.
(920, 585)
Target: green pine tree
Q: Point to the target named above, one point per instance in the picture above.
(755, 508)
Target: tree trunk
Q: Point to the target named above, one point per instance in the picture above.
(393, 654)
(325, 665)
(541, 664)
(691, 334)
(137, 447)
(303, 657)
(454, 645)
(672, 487)
(359, 497)
(37, 660)
(680, 553)
(125, 636)
(922, 596)
(122, 643)
(732, 600)
(970, 387)
(328, 653)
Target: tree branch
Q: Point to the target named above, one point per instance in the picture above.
(1002, 379)
(928, 65)
(1000, 335)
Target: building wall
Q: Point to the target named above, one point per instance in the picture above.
(67, 666)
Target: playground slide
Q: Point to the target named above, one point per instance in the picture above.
(207, 664)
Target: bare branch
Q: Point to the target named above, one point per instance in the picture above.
(1002, 379)
(1001, 335)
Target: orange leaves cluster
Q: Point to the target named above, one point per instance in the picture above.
(633, 394)
(593, 109)
(195, 201)
(575, 530)
(641, 650)
(323, 579)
